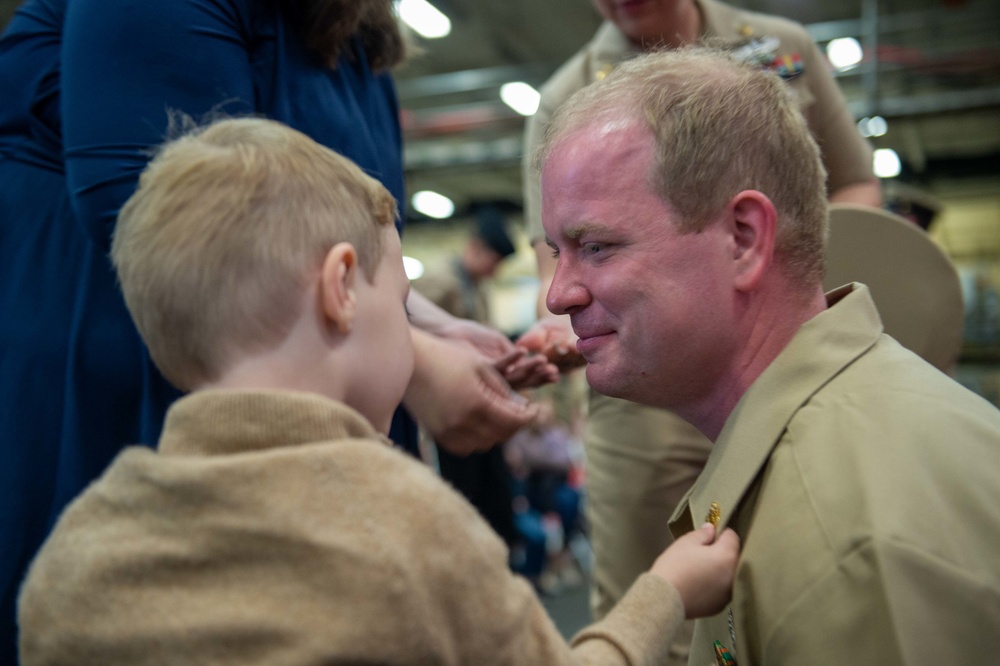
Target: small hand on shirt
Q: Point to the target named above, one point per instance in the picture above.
(701, 568)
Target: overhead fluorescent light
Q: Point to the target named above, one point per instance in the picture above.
(521, 97)
(877, 126)
(414, 268)
(433, 204)
(844, 52)
(874, 126)
(426, 19)
(885, 163)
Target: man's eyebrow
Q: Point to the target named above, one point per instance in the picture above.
(577, 231)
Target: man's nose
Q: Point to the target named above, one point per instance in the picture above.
(566, 294)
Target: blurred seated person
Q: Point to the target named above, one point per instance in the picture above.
(546, 463)
(274, 523)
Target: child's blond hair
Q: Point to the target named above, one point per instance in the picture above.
(216, 246)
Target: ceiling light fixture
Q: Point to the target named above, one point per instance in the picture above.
(433, 204)
(874, 126)
(885, 163)
(426, 19)
(521, 97)
(844, 52)
(878, 126)
(414, 268)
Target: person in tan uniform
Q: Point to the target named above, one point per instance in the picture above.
(641, 460)
(684, 202)
(275, 523)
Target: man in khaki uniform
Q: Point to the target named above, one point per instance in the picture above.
(684, 201)
(641, 460)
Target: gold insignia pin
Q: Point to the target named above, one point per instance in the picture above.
(746, 30)
(603, 71)
(714, 515)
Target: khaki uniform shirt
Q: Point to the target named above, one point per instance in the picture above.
(865, 485)
(846, 154)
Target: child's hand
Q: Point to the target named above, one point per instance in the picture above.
(701, 568)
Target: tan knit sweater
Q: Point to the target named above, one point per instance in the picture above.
(279, 528)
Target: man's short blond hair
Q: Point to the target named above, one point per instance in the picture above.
(215, 248)
(720, 127)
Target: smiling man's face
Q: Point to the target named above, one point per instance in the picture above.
(651, 305)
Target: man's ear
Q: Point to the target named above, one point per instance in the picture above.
(337, 286)
(754, 225)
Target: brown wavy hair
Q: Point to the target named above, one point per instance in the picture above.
(327, 25)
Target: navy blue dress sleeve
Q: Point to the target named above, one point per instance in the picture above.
(29, 81)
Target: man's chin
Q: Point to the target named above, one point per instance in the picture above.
(604, 383)
(619, 384)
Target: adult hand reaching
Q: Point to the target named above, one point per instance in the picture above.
(461, 398)
(553, 337)
(427, 316)
(519, 369)
(523, 370)
(490, 342)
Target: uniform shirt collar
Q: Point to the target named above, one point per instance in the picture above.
(218, 422)
(820, 350)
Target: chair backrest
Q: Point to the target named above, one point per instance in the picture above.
(913, 283)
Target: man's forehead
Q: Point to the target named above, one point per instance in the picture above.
(593, 145)
(599, 159)
(600, 162)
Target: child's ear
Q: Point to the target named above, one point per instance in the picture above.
(337, 286)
